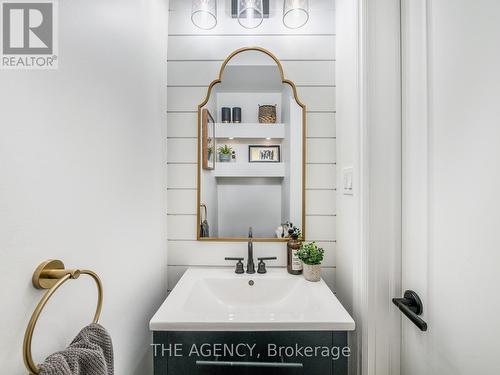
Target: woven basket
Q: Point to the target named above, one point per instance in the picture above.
(267, 114)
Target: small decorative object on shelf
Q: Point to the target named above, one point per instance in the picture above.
(226, 115)
(225, 153)
(312, 256)
(282, 230)
(264, 154)
(267, 114)
(236, 115)
(294, 264)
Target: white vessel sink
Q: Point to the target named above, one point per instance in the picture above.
(217, 299)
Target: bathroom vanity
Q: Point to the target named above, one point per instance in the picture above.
(251, 172)
(219, 322)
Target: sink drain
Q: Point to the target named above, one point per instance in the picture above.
(251, 282)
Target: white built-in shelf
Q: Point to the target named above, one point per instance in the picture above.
(254, 131)
(232, 169)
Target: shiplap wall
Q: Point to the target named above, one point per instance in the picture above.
(194, 60)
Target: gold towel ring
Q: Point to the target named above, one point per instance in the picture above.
(50, 275)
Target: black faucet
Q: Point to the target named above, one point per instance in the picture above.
(250, 263)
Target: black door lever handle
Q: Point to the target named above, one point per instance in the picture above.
(411, 305)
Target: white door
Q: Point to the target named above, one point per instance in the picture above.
(451, 185)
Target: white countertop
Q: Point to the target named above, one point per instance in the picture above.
(217, 299)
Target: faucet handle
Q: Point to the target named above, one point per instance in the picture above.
(262, 266)
(239, 264)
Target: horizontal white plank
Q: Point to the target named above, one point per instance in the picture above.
(321, 125)
(320, 228)
(321, 202)
(175, 273)
(321, 150)
(330, 258)
(199, 253)
(181, 201)
(188, 98)
(181, 227)
(304, 73)
(320, 176)
(185, 98)
(192, 73)
(202, 73)
(317, 98)
(284, 47)
(181, 150)
(181, 176)
(182, 125)
(321, 21)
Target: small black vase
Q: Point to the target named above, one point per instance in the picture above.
(236, 115)
(226, 115)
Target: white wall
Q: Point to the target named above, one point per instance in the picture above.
(194, 59)
(81, 180)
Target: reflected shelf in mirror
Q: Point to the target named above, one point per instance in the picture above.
(250, 131)
(250, 170)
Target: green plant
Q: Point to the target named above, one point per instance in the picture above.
(310, 253)
(225, 150)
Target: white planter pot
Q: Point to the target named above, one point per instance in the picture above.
(312, 272)
(224, 158)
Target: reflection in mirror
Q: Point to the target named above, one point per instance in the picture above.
(253, 174)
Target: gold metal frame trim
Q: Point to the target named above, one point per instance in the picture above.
(304, 145)
(50, 275)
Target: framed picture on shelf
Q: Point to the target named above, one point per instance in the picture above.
(208, 140)
(264, 153)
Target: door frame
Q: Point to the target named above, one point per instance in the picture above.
(380, 198)
(415, 141)
(385, 106)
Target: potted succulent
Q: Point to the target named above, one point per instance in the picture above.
(312, 256)
(225, 153)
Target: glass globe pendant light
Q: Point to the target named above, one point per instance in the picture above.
(250, 13)
(295, 13)
(204, 14)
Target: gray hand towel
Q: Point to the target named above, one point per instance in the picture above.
(90, 353)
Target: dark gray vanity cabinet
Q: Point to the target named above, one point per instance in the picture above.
(231, 353)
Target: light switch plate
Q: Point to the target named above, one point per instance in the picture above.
(347, 181)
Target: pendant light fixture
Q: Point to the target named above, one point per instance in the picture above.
(295, 13)
(250, 13)
(204, 14)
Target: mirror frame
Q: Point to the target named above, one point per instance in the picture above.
(199, 169)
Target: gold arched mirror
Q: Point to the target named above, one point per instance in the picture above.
(251, 151)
